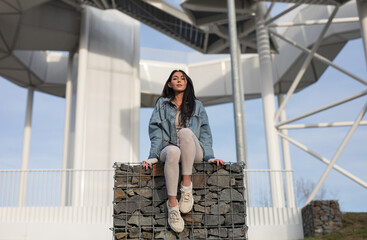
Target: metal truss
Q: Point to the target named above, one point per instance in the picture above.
(283, 125)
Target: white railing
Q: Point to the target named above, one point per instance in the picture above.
(258, 190)
(55, 187)
(85, 197)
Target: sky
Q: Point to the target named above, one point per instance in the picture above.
(48, 125)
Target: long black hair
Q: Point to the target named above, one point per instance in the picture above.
(188, 101)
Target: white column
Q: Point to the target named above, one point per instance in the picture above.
(362, 13)
(22, 195)
(237, 87)
(287, 160)
(268, 99)
(79, 150)
(68, 96)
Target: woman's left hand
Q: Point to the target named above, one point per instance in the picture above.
(217, 161)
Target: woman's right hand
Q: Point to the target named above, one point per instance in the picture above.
(148, 163)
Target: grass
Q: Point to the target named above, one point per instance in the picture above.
(354, 228)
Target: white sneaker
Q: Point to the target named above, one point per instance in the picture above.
(186, 201)
(175, 220)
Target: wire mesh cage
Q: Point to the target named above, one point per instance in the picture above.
(140, 195)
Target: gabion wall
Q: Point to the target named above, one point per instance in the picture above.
(320, 217)
(140, 197)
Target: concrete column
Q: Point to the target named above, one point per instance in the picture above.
(68, 96)
(287, 160)
(268, 99)
(362, 12)
(237, 87)
(22, 195)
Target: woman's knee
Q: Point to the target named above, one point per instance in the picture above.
(173, 154)
(185, 134)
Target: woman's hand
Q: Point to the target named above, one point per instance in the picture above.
(148, 163)
(217, 161)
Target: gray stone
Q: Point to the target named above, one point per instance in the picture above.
(230, 194)
(220, 178)
(130, 192)
(211, 195)
(207, 167)
(234, 168)
(145, 192)
(197, 198)
(138, 219)
(199, 233)
(162, 221)
(211, 220)
(184, 234)
(122, 181)
(151, 210)
(222, 233)
(201, 192)
(236, 233)
(199, 208)
(121, 235)
(160, 195)
(235, 219)
(220, 208)
(238, 207)
(126, 168)
(134, 232)
(147, 235)
(119, 221)
(157, 182)
(207, 203)
(193, 219)
(165, 235)
(131, 205)
(119, 194)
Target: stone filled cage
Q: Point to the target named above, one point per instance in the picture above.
(140, 196)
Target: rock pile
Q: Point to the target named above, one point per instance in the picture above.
(140, 211)
(320, 217)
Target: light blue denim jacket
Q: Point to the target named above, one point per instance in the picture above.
(162, 128)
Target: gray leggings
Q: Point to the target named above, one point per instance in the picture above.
(188, 152)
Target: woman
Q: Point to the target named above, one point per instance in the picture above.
(179, 133)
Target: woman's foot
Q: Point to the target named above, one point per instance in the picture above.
(187, 200)
(175, 220)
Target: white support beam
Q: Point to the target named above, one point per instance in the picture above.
(306, 63)
(237, 87)
(324, 160)
(319, 57)
(252, 27)
(268, 100)
(314, 22)
(65, 159)
(321, 125)
(287, 161)
(22, 195)
(79, 142)
(283, 13)
(361, 94)
(268, 11)
(362, 12)
(337, 154)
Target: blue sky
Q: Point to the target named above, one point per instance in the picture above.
(48, 126)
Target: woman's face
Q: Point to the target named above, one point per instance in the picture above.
(178, 82)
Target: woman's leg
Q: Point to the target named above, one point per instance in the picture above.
(171, 156)
(190, 152)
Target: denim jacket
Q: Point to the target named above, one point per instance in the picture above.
(162, 128)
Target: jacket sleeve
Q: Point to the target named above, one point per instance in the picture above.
(205, 138)
(155, 133)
